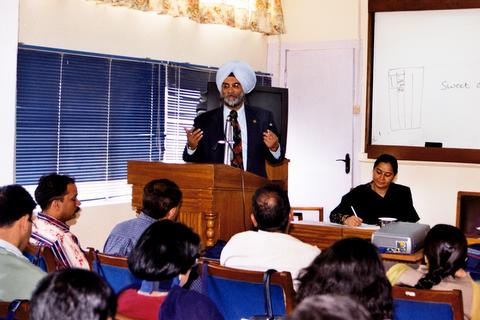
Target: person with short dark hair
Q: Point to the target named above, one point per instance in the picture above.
(161, 200)
(270, 247)
(73, 294)
(18, 277)
(329, 307)
(350, 267)
(163, 258)
(445, 255)
(57, 196)
(381, 197)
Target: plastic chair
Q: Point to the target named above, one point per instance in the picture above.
(41, 256)
(240, 293)
(421, 304)
(112, 269)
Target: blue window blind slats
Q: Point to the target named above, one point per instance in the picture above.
(86, 116)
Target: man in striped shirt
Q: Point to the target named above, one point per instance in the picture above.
(57, 197)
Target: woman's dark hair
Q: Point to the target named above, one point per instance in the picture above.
(165, 250)
(349, 267)
(387, 158)
(73, 294)
(446, 251)
(329, 307)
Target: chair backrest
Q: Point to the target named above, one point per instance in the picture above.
(20, 310)
(240, 293)
(468, 212)
(421, 304)
(41, 256)
(473, 261)
(112, 269)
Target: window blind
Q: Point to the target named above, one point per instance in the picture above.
(86, 115)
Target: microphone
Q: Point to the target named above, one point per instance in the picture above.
(227, 141)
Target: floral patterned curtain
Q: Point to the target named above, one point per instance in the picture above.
(265, 16)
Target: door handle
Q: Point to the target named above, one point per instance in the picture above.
(347, 163)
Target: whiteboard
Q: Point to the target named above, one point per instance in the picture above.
(426, 78)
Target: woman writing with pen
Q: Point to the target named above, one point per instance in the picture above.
(379, 198)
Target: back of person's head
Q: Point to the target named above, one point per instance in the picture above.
(73, 294)
(271, 208)
(349, 267)
(445, 250)
(165, 250)
(15, 202)
(51, 187)
(159, 196)
(329, 307)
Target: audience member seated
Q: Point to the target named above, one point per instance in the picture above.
(381, 197)
(163, 258)
(73, 294)
(445, 258)
(57, 197)
(270, 247)
(18, 277)
(161, 199)
(350, 267)
(329, 307)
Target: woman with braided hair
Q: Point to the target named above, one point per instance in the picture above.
(445, 256)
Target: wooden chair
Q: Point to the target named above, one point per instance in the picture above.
(22, 311)
(298, 212)
(468, 213)
(41, 256)
(240, 293)
(421, 304)
(112, 269)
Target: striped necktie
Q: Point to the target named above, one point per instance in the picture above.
(237, 160)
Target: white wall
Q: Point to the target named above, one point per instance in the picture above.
(8, 77)
(85, 26)
(434, 185)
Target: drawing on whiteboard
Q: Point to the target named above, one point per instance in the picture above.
(405, 91)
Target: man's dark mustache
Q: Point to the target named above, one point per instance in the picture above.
(78, 209)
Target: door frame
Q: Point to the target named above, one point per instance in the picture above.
(277, 66)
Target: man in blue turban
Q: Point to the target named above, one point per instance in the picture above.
(255, 137)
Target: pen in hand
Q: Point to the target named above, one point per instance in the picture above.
(354, 212)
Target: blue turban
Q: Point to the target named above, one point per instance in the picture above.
(242, 71)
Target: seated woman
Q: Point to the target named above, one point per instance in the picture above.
(163, 258)
(445, 258)
(379, 198)
(350, 267)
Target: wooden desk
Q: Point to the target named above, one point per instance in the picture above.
(473, 240)
(323, 235)
(417, 257)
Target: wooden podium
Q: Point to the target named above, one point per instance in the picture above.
(216, 198)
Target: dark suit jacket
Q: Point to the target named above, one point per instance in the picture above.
(212, 124)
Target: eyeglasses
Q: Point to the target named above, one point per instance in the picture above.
(386, 174)
(32, 218)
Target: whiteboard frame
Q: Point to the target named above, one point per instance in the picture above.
(409, 152)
